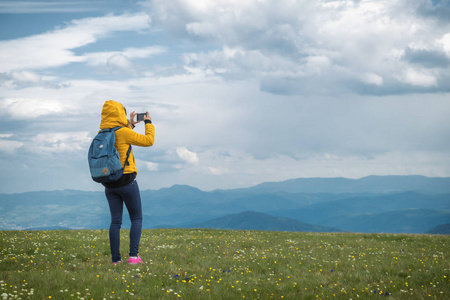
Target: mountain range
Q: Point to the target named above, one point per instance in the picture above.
(396, 204)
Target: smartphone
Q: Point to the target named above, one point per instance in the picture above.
(140, 117)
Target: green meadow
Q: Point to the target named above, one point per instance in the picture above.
(225, 264)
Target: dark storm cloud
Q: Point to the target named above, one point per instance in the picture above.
(427, 58)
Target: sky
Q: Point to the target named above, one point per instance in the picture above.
(240, 91)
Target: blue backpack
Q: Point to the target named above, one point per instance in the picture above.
(104, 159)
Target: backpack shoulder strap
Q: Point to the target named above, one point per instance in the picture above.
(128, 155)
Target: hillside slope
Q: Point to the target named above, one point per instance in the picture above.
(441, 229)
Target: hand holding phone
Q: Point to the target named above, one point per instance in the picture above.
(143, 117)
(140, 117)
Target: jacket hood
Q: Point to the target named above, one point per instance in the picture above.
(113, 115)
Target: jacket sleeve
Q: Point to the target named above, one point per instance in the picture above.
(143, 140)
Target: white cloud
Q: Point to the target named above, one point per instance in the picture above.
(187, 156)
(30, 108)
(24, 79)
(60, 142)
(420, 78)
(9, 146)
(26, 76)
(317, 65)
(309, 43)
(151, 166)
(445, 43)
(372, 78)
(237, 62)
(53, 49)
(102, 58)
(216, 171)
(143, 52)
(121, 61)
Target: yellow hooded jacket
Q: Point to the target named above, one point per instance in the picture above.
(113, 115)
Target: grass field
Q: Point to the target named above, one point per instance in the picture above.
(220, 264)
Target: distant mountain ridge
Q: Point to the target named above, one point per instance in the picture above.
(369, 184)
(346, 204)
(259, 221)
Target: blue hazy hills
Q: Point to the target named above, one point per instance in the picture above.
(395, 204)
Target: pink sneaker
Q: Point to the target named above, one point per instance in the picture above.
(137, 260)
(117, 262)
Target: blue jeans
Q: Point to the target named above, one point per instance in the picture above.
(128, 194)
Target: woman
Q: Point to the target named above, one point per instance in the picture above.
(126, 189)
